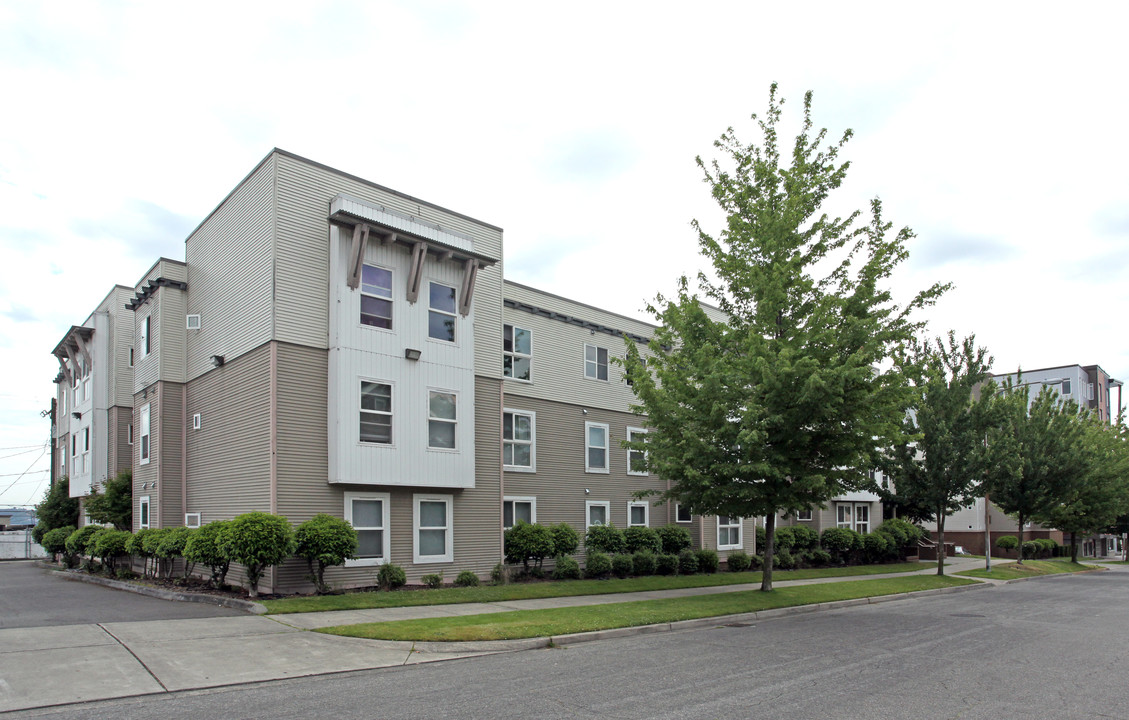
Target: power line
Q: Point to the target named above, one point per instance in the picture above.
(22, 452)
(25, 472)
(21, 447)
(29, 472)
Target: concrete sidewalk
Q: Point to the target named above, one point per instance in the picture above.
(42, 666)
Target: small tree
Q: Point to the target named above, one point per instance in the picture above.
(109, 544)
(603, 539)
(170, 546)
(55, 542)
(113, 504)
(78, 541)
(57, 509)
(674, 539)
(565, 539)
(257, 541)
(204, 548)
(525, 542)
(326, 541)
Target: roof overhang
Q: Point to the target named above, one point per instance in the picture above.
(146, 291)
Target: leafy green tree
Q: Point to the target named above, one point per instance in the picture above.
(326, 541)
(113, 504)
(170, 546)
(55, 542)
(204, 548)
(940, 459)
(57, 509)
(257, 541)
(524, 542)
(774, 407)
(1033, 453)
(1102, 493)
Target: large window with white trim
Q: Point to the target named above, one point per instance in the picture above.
(636, 459)
(376, 413)
(433, 528)
(853, 516)
(728, 533)
(638, 514)
(595, 362)
(517, 352)
(519, 433)
(442, 419)
(144, 435)
(518, 508)
(368, 514)
(376, 297)
(597, 512)
(441, 312)
(595, 447)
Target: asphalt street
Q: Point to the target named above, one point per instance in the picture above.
(1047, 648)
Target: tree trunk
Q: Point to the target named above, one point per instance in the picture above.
(769, 541)
(940, 541)
(1073, 548)
(1019, 549)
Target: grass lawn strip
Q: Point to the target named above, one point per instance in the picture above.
(1029, 568)
(567, 588)
(562, 621)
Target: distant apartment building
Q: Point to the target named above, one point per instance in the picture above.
(329, 345)
(1088, 385)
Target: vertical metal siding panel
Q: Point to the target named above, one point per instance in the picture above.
(146, 369)
(171, 512)
(303, 490)
(230, 275)
(172, 342)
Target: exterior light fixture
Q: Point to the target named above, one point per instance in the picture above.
(76, 415)
(412, 353)
(217, 360)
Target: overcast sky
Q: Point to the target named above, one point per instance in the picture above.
(995, 131)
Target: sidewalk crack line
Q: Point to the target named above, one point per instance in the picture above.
(131, 652)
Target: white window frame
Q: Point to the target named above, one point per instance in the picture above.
(391, 413)
(646, 513)
(596, 363)
(849, 523)
(192, 322)
(859, 523)
(449, 528)
(632, 431)
(800, 515)
(192, 520)
(129, 434)
(197, 423)
(385, 500)
(445, 421)
(729, 526)
(532, 467)
(144, 512)
(589, 504)
(1066, 387)
(376, 294)
(514, 355)
(454, 315)
(532, 500)
(678, 511)
(146, 450)
(588, 467)
(146, 333)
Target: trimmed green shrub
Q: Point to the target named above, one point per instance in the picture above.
(840, 542)
(805, 538)
(597, 565)
(55, 542)
(150, 540)
(171, 546)
(783, 560)
(77, 541)
(136, 544)
(390, 577)
(707, 560)
(499, 575)
(756, 562)
(820, 557)
(674, 539)
(644, 563)
(433, 580)
(326, 541)
(466, 579)
(204, 547)
(565, 539)
(642, 539)
(622, 566)
(603, 539)
(1007, 542)
(257, 540)
(666, 564)
(687, 562)
(525, 542)
(875, 546)
(784, 539)
(567, 569)
(738, 561)
(109, 544)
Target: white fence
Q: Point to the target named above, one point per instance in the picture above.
(18, 545)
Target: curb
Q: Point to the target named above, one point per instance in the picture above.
(245, 605)
(1041, 577)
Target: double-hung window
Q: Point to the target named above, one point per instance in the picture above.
(376, 297)
(596, 512)
(596, 447)
(636, 459)
(517, 352)
(433, 528)
(441, 419)
(595, 362)
(519, 430)
(728, 533)
(844, 517)
(144, 435)
(518, 508)
(441, 312)
(368, 514)
(376, 413)
(637, 514)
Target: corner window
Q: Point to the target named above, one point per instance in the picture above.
(596, 512)
(368, 514)
(636, 459)
(517, 352)
(682, 513)
(432, 525)
(518, 508)
(376, 297)
(519, 430)
(441, 312)
(143, 512)
(144, 435)
(595, 362)
(145, 334)
(596, 447)
(638, 514)
(441, 419)
(376, 413)
(728, 533)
